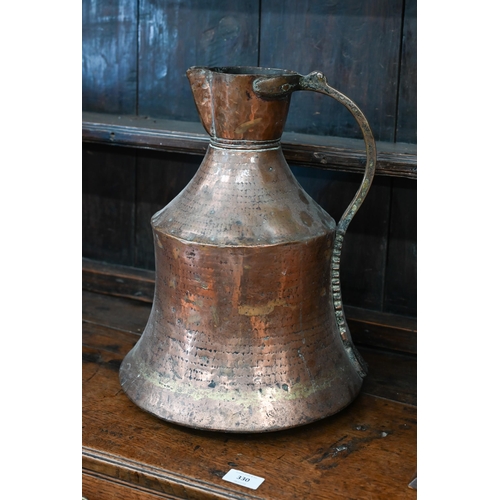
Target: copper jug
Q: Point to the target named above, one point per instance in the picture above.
(247, 330)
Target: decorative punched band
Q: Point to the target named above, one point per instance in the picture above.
(243, 145)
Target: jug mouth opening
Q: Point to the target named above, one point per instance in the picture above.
(251, 70)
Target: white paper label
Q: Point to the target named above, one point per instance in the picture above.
(243, 479)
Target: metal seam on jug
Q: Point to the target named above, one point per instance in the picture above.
(245, 150)
(243, 146)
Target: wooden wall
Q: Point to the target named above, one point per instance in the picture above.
(135, 54)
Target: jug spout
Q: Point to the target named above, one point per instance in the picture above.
(200, 79)
(230, 108)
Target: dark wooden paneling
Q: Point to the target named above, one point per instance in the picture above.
(126, 315)
(160, 178)
(109, 55)
(108, 199)
(178, 34)
(391, 377)
(123, 281)
(401, 277)
(355, 44)
(363, 257)
(407, 104)
(382, 330)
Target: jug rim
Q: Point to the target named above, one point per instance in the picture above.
(247, 70)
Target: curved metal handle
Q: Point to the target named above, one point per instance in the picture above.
(316, 82)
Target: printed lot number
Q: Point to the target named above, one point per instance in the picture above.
(243, 478)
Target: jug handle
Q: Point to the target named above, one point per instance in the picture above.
(316, 82)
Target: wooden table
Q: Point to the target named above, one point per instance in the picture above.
(368, 451)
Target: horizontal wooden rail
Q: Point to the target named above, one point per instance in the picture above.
(331, 153)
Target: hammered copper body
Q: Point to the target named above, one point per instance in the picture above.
(247, 331)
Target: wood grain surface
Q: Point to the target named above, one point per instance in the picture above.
(355, 44)
(108, 204)
(407, 95)
(176, 35)
(400, 294)
(109, 56)
(96, 486)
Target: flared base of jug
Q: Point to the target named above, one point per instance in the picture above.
(211, 408)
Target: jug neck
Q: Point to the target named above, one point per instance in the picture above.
(230, 108)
